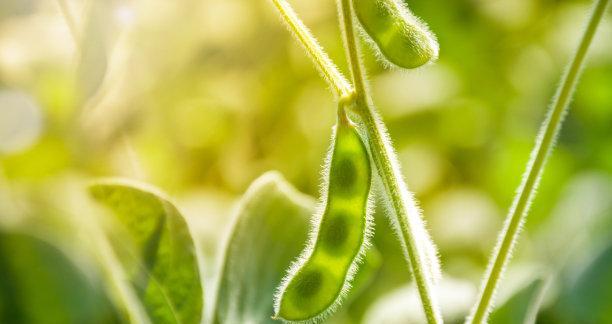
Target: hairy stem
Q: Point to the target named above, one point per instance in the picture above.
(393, 185)
(544, 144)
(352, 52)
(329, 70)
(386, 164)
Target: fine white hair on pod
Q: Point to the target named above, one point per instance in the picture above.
(309, 252)
(397, 36)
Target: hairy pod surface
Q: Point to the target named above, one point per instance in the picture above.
(400, 36)
(317, 282)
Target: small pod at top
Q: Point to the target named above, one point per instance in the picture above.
(322, 275)
(401, 37)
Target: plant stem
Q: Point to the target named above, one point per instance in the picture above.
(352, 52)
(115, 274)
(329, 70)
(544, 144)
(70, 21)
(536, 301)
(386, 164)
(391, 177)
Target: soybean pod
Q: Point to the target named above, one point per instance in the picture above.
(400, 36)
(317, 282)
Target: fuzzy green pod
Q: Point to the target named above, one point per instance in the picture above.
(317, 282)
(401, 37)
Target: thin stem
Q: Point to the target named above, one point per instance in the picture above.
(391, 177)
(536, 301)
(130, 152)
(352, 50)
(329, 70)
(70, 21)
(544, 144)
(384, 159)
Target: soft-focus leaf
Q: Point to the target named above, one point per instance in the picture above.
(39, 284)
(168, 279)
(372, 261)
(403, 306)
(521, 305)
(391, 272)
(270, 230)
(588, 299)
(564, 234)
(94, 48)
(579, 226)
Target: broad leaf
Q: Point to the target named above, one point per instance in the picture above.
(588, 298)
(39, 284)
(522, 306)
(581, 224)
(270, 229)
(167, 278)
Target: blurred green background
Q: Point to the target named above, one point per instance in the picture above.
(200, 97)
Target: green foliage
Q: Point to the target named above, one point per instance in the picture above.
(269, 230)
(235, 97)
(166, 276)
(270, 226)
(522, 305)
(545, 140)
(588, 297)
(39, 284)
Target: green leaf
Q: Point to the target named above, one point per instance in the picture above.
(167, 277)
(588, 298)
(522, 306)
(269, 231)
(402, 305)
(39, 284)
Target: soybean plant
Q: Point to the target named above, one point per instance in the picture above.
(405, 41)
(156, 278)
(310, 296)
